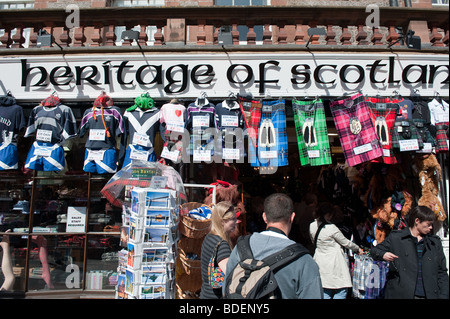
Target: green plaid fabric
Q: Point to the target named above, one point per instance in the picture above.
(312, 112)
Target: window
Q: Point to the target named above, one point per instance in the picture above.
(137, 3)
(16, 4)
(440, 2)
(150, 30)
(225, 31)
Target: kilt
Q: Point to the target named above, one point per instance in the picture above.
(272, 149)
(251, 111)
(383, 120)
(404, 131)
(317, 152)
(362, 144)
(442, 137)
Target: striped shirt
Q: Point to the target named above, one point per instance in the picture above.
(53, 124)
(223, 251)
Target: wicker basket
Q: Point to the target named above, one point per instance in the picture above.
(185, 246)
(188, 286)
(190, 227)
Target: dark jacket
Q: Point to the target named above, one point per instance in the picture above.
(402, 276)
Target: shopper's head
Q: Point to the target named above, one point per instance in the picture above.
(223, 219)
(278, 207)
(325, 212)
(421, 218)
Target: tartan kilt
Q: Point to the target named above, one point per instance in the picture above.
(442, 137)
(312, 109)
(251, 111)
(408, 132)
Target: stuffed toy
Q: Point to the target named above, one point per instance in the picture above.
(429, 173)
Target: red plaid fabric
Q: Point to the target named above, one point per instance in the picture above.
(110, 190)
(251, 110)
(389, 114)
(441, 137)
(363, 146)
(52, 100)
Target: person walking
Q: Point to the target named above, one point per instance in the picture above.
(329, 254)
(216, 247)
(417, 264)
(300, 279)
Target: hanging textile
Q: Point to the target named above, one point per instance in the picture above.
(12, 121)
(357, 134)
(230, 125)
(141, 123)
(405, 136)
(272, 145)
(369, 277)
(312, 133)
(104, 123)
(172, 119)
(440, 119)
(422, 120)
(200, 116)
(251, 110)
(52, 123)
(383, 113)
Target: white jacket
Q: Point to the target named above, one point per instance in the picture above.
(329, 256)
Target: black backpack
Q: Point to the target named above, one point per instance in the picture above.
(254, 279)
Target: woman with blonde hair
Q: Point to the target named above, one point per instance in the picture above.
(216, 249)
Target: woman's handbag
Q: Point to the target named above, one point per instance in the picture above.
(215, 274)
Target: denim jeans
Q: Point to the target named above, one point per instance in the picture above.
(335, 293)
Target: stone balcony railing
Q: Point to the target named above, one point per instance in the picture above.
(194, 28)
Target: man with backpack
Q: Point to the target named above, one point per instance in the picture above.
(270, 265)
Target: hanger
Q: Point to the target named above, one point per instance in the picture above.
(231, 99)
(201, 100)
(437, 97)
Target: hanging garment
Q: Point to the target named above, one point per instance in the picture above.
(439, 111)
(199, 118)
(406, 108)
(230, 125)
(422, 120)
(357, 134)
(172, 119)
(405, 136)
(141, 126)
(383, 114)
(104, 124)
(251, 110)
(312, 133)
(52, 124)
(272, 148)
(12, 121)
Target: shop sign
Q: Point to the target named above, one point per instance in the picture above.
(76, 219)
(262, 75)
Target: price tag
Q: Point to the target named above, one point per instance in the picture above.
(175, 126)
(409, 145)
(44, 151)
(314, 154)
(97, 135)
(230, 153)
(202, 155)
(268, 154)
(230, 120)
(171, 155)
(139, 155)
(362, 149)
(44, 135)
(200, 121)
(386, 152)
(96, 155)
(141, 139)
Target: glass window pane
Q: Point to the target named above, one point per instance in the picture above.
(56, 262)
(102, 262)
(13, 255)
(223, 2)
(241, 2)
(15, 196)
